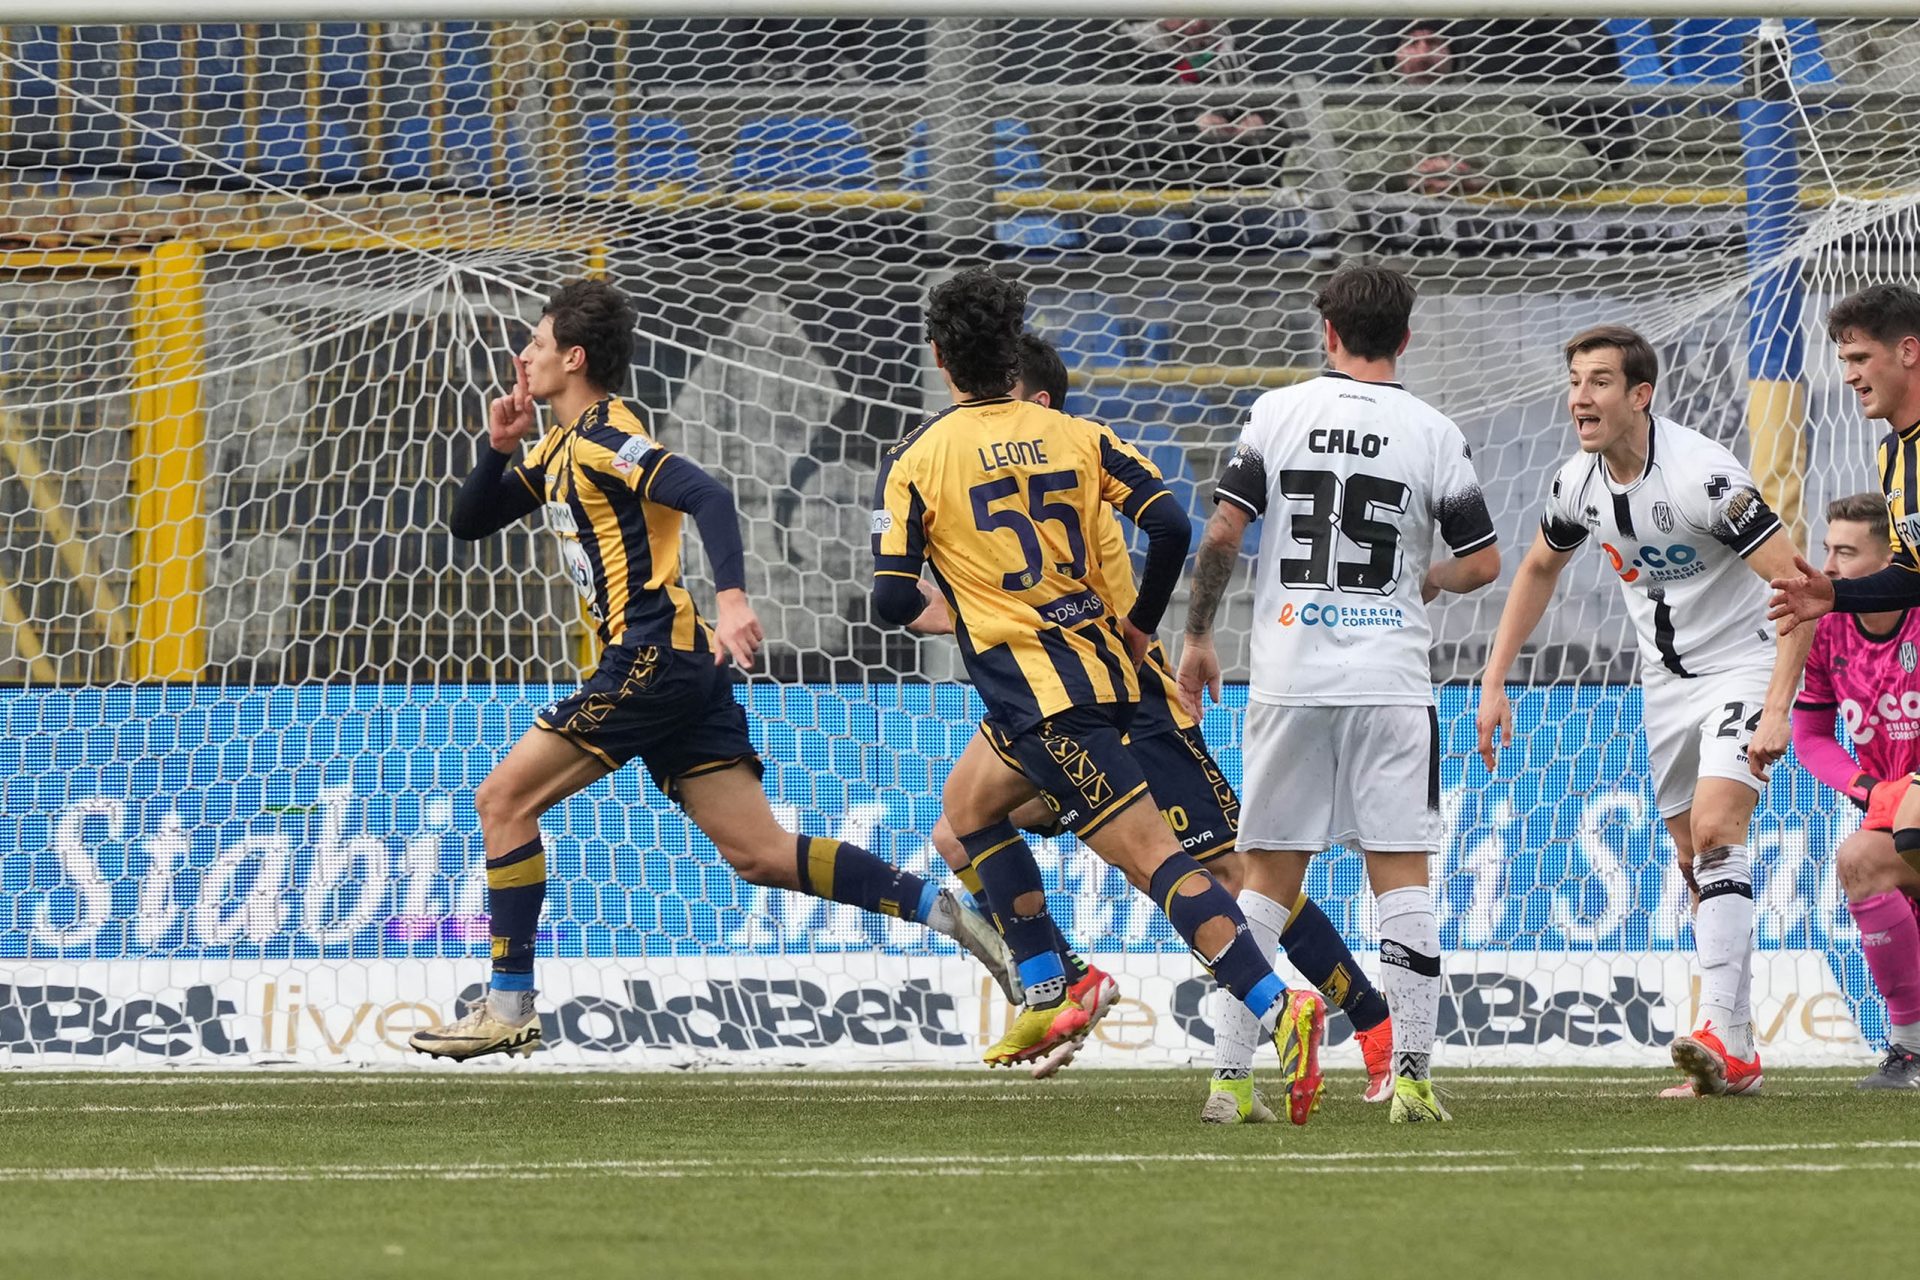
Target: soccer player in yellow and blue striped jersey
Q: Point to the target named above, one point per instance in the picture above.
(998, 496)
(617, 499)
(1198, 803)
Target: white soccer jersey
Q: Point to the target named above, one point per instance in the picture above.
(1352, 479)
(1676, 537)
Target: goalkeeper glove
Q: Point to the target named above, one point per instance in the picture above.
(1880, 800)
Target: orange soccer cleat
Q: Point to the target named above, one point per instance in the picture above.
(1376, 1046)
(1712, 1072)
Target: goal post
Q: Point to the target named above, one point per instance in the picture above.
(260, 274)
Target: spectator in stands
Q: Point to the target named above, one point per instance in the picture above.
(1199, 51)
(1219, 139)
(1575, 52)
(1438, 143)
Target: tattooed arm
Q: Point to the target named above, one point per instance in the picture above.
(1212, 571)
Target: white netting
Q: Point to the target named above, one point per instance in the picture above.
(258, 281)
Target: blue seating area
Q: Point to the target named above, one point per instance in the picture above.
(659, 153)
(1708, 50)
(308, 113)
(802, 153)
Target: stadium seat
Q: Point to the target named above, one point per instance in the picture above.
(1088, 333)
(781, 153)
(659, 154)
(1017, 165)
(158, 99)
(467, 126)
(279, 136)
(434, 113)
(1700, 50)
(93, 135)
(1017, 161)
(409, 148)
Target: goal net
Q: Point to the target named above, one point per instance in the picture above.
(258, 281)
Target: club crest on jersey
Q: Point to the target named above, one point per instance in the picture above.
(1663, 517)
(1909, 656)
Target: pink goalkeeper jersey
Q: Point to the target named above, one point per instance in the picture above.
(1869, 681)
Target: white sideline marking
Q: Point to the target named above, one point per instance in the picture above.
(493, 1074)
(881, 1079)
(1353, 1162)
(202, 1108)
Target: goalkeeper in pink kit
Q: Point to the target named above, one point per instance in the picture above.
(1862, 671)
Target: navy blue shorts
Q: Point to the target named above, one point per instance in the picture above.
(1079, 761)
(1159, 710)
(675, 711)
(1194, 796)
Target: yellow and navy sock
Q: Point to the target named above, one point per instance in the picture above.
(842, 872)
(970, 881)
(516, 890)
(1239, 966)
(1317, 950)
(1005, 868)
(1072, 962)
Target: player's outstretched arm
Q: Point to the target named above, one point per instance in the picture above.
(490, 499)
(1801, 593)
(676, 482)
(1773, 559)
(1533, 587)
(1212, 571)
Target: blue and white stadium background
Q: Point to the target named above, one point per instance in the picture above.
(206, 874)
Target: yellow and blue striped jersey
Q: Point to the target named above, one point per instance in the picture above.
(1113, 579)
(1000, 497)
(1899, 464)
(621, 546)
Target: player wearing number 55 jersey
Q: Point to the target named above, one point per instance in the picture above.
(1352, 475)
(1000, 499)
(1682, 524)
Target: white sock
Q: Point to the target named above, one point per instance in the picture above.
(515, 1007)
(1410, 976)
(1723, 939)
(1906, 1035)
(1237, 1033)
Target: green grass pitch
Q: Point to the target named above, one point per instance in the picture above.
(482, 1173)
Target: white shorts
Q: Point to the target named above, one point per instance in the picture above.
(1365, 777)
(1700, 728)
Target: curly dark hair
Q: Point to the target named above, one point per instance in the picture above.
(595, 316)
(1041, 369)
(975, 319)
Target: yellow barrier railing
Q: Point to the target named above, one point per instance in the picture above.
(76, 553)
